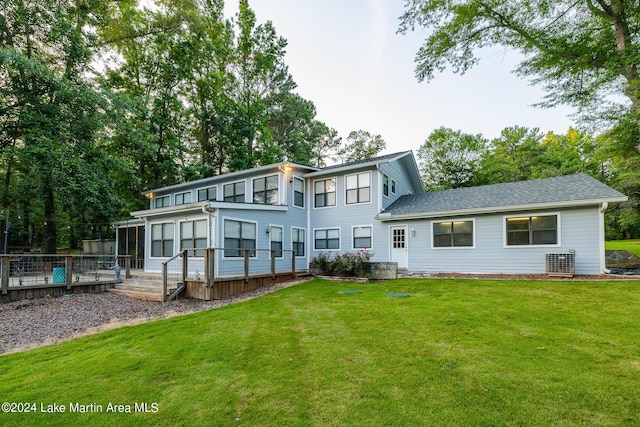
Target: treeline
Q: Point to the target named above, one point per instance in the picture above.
(100, 100)
(453, 159)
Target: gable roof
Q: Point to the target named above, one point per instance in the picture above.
(406, 158)
(561, 191)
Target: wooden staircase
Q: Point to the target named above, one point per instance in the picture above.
(144, 286)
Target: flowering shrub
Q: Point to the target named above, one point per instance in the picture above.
(347, 264)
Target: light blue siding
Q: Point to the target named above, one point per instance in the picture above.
(578, 232)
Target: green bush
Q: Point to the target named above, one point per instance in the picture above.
(348, 264)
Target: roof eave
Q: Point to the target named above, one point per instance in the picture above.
(500, 209)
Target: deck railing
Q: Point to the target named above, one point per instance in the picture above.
(38, 270)
(222, 264)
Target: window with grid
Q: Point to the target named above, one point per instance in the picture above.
(325, 192)
(327, 239)
(193, 235)
(298, 241)
(265, 190)
(207, 194)
(183, 198)
(298, 192)
(162, 240)
(362, 237)
(239, 235)
(358, 188)
(533, 230)
(234, 192)
(451, 234)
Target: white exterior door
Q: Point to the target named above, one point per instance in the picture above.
(399, 247)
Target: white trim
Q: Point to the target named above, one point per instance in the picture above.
(223, 219)
(327, 249)
(305, 241)
(601, 238)
(279, 179)
(531, 214)
(358, 189)
(281, 227)
(175, 242)
(313, 192)
(246, 193)
(448, 248)
(198, 190)
(497, 209)
(304, 193)
(369, 226)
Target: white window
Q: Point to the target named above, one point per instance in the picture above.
(393, 186)
(532, 230)
(207, 194)
(327, 239)
(298, 241)
(183, 198)
(163, 201)
(239, 235)
(162, 240)
(276, 238)
(234, 192)
(324, 192)
(453, 234)
(298, 192)
(358, 188)
(265, 190)
(385, 185)
(362, 237)
(193, 235)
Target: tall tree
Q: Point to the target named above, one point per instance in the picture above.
(449, 159)
(326, 144)
(51, 110)
(361, 145)
(580, 50)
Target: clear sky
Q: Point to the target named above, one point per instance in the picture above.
(348, 60)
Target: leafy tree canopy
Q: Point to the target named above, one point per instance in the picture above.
(580, 50)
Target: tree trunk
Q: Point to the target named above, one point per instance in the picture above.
(50, 227)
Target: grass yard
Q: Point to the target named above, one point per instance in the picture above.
(455, 352)
(632, 246)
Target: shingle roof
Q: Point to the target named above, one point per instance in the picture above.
(567, 190)
(371, 160)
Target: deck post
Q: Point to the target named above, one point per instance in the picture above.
(4, 267)
(293, 262)
(164, 282)
(68, 271)
(246, 265)
(209, 266)
(273, 264)
(127, 271)
(185, 266)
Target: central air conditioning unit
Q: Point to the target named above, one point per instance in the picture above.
(563, 265)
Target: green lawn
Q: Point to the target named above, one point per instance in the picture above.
(632, 246)
(455, 352)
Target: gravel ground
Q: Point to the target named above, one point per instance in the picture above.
(33, 323)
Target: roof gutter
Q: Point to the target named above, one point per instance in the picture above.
(497, 209)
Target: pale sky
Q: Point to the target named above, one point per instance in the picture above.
(348, 60)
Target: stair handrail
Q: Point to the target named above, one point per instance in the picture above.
(164, 271)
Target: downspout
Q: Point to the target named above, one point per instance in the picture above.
(603, 260)
(210, 211)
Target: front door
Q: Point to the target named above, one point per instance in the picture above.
(399, 249)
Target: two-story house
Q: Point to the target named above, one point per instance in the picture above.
(380, 205)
